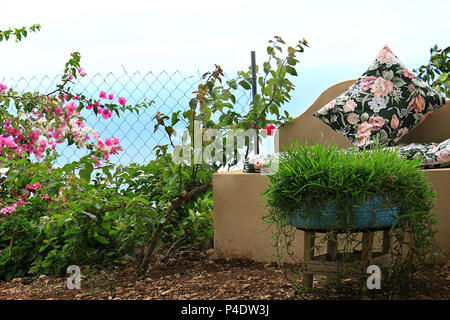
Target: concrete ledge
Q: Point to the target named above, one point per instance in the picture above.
(239, 231)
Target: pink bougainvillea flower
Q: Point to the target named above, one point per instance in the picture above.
(57, 110)
(109, 142)
(89, 107)
(111, 96)
(106, 113)
(70, 108)
(122, 100)
(3, 87)
(270, 129)
(97, 162)
(6, 141)
(63, 97)
(45, 196)
(69, 74)
(252, 125)
(8, 209)
(102, 95)
(81, 72)
(33, 187)
(101, 144)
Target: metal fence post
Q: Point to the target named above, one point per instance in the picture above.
(254, 86)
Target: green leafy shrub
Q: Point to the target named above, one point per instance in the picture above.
(437, 72)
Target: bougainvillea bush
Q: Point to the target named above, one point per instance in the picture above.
(51, 217)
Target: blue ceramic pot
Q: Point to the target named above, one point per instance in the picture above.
(371, 215)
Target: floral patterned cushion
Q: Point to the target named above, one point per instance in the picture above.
(384, 104)
(434, 155)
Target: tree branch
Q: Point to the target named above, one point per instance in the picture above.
(149, 250)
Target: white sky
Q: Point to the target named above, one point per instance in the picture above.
(193, 35)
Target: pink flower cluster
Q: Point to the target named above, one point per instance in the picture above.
(105, 113)
(110, 146)
(12, 207)
(58, 121)
(34, 187)
(54, 122)
(8, 209)
(270, 129)
(7, 142)
(103, 95)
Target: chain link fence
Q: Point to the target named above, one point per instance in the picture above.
(169, 91)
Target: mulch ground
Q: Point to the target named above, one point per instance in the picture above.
(192, 276)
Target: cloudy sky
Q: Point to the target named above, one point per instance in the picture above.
(190, 36)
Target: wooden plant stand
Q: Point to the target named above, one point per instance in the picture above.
(328, 263)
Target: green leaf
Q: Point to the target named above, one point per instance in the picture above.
(101, 238)
(266, 67)
(86, 172)
(189, 114)
(206, 112)
(175, 118)
(244, 84)
(442, 77)
(169, 130)
(90, 215)
(292, 61)
(268, 90)
(291, 70)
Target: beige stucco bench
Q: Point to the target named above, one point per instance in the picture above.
(239, 231)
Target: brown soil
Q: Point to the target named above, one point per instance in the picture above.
(192, 276)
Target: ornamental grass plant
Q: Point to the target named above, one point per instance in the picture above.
(312, 175)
